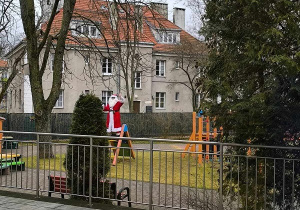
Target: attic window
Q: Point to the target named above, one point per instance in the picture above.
(103, 7)
(83, 29)
(167, 37)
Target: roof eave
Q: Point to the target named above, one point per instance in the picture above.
(19, 45)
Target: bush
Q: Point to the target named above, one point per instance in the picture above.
(88, 119)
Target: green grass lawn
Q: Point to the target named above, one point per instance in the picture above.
(185, 171)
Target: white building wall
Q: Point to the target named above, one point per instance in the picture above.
(28, 104)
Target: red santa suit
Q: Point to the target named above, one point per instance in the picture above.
(113, 121)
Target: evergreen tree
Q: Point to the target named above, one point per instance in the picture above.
(254, 67)
(88, 119)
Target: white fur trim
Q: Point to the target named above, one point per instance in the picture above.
(111, 125)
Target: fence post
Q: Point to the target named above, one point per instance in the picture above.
(38, 166)
(90, 173)
(151, 175)
(221, 179)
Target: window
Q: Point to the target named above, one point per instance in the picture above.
(20, 98)
(86, 59)
(177, 65)
(167, 37)
(52, 63)
(105, 96)
(25, 59)
(11, 99)
(15, 98)
(93, 31)
(60, 101)
(86, 30)
(106, 66)
(160, 68)
(160, 100)
(86, 92)
(104, 7)
(177, 96)
(4, 76)
(137, 80)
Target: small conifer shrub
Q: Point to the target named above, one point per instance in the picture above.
(88, 119)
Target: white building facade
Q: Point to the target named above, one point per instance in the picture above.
(158, 84)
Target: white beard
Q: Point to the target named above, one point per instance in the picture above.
(112, 102)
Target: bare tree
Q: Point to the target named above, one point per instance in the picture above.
(38, 44)
(191, 58)
(120, 25)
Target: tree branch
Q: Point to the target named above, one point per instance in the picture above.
(46, 56)
(49, 24)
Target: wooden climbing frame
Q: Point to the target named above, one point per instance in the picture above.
(202, 136)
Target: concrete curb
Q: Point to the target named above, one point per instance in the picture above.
(77, 203)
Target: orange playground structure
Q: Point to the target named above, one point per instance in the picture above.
(201, 135)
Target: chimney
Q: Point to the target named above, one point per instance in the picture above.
(47, 6)
(161, 8)
(179, 17)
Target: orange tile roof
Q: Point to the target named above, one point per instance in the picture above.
(98, 11)
(3, 64)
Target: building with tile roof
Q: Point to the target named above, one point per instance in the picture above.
(125, 48)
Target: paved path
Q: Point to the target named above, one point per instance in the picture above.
(26, 204)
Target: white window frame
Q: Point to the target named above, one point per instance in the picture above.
(61, 97)
(105, 61)
(176, 96)
(52, 63)
(15, 98)
(20, 98)
(86, 59)
(138, 80)
(25, 59)
(4, 75)
(105, 96)
(11, 99)
(169, 37)
(198, 99)
(85, 29)
(177, 65)
(158, 100)
(161, 72)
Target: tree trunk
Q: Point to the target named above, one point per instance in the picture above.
(43, 125)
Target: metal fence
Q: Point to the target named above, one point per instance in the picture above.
(140, 124)
(158, 177)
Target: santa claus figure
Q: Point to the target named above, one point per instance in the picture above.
(113, 121)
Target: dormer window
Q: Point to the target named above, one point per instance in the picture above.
(85, 29)
(168, 37)
(104, 7)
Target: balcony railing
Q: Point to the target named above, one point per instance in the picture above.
(161, 174)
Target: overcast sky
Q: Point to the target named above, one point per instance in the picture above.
(189, 20)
